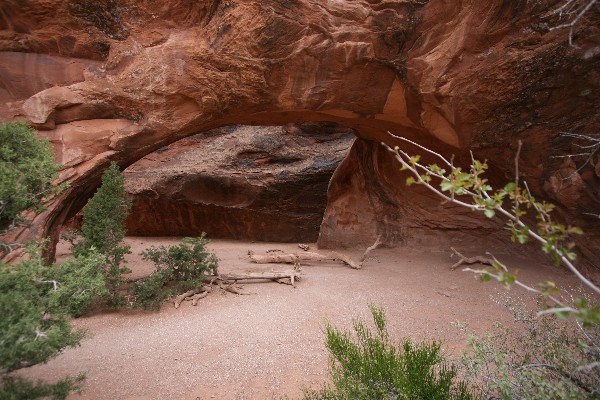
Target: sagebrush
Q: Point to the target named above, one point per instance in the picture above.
(367, 365)
(178, 269)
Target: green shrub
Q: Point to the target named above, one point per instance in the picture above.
(33, 327)
(33, 298)
(152, 291)
(31, 330)
(371, 367)
(541, 358)
(81, 283)
(26, 171)
(178, 269)
(104, 229)
(15, 388)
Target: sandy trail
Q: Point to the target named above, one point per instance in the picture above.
(272, 343)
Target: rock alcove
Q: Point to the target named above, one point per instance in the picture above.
(238, 182)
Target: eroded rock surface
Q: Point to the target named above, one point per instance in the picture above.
(463, 76)
(242, 182)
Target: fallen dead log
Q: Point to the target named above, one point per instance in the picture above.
(469, 260)
(226, 282)
(298, 258)
(293, 275)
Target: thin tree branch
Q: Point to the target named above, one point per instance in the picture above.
(572, 378)
(406, 163)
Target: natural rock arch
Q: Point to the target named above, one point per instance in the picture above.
(453, 76)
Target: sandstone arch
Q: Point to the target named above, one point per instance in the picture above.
(453, 76)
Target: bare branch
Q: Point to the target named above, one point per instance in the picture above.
(570, 5)
(54, 283)
(469, 260)
(572, 378)
(421, 147)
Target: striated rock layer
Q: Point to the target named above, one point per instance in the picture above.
(238, 182)
(455, 76)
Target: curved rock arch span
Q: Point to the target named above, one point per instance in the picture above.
(452, 76)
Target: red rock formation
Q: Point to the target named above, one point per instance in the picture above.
(454, 76)
(251, 183)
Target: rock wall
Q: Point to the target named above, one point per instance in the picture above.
(455, 76)
(241, 182)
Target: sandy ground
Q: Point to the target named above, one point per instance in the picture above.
(271, 343)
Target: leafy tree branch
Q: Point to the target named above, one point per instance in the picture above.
(470, 189)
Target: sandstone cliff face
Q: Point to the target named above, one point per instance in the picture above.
(242, 182)
(453, 76)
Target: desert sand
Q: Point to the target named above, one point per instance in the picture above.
(271, 343)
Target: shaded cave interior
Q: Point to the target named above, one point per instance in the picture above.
(255, 183)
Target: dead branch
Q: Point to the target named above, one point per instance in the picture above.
(346, 260)
(370, 249)
(226, 283)
(298, 258)
(293, 275)
(233, 289)
(184, 296)
(197, 297)
(469, 260)
(283, 258)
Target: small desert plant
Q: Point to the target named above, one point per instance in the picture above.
(104, 229)
(542, 357)
(178, 269)
(369, 366)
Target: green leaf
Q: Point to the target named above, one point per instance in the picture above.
(410, 180)
(571, 256)
(509, 187)
(575, 230)
(446, 186)
(489, 212)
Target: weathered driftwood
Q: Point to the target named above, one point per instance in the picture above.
(226, 282)
(234, 289)
(292, 274)
(184, 296)
(469, 260)
(298, 258)
(198, 296)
